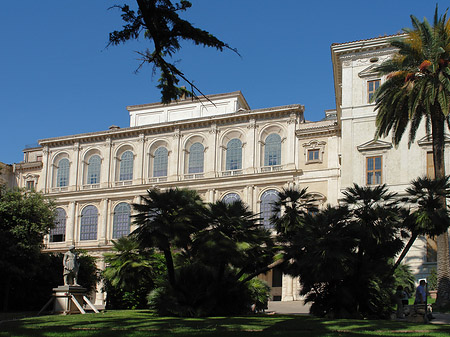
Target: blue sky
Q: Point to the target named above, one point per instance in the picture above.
(58, 78)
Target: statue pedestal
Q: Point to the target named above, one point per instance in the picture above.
(68, 299)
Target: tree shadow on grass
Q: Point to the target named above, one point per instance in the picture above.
(145, 323)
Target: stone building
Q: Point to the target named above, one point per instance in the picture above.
(369, 161)
(219, 147)
(225, 150)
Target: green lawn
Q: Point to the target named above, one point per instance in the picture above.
(144, 323)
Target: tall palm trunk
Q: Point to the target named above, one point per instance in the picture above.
(170, 267)
(443, 254)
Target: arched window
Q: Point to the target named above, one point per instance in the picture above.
(93, 173)
(231, 198)
(58, 232)
(196, 156)
(267, 200)
(121, 222)
(160, 162)
(126, 166)
(272, 150)
(234, 155)
(89, 221)
(62, 175)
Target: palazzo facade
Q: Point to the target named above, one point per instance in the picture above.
(223, 149)
(218, 147)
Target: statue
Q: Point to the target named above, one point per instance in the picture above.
(71, 266)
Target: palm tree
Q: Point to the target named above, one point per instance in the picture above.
(234, 238)
(166, 220)
(290, 208)
(418, 87)
(428, 217)
(128, 267)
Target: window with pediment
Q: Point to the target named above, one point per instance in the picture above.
(314, 151)
(374, 170)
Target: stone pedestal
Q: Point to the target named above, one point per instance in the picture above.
(63, 302)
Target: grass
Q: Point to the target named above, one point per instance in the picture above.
(145, 323)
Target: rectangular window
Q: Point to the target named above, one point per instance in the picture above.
(371, 87)
(313, 155)
(30, 185)
(373, 170)
(430, 165)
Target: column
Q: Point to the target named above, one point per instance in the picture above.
(106, 164)
(286, 294)
(141, 156)
(290, 143)
(70, 223)
(45, 174)
(210, 167)
(74, 167)
(211, 195)
(175, 162)
(104, 221)
(250, 156)
(255, 199)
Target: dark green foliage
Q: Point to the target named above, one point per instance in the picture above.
(131, 274)
(211, 253)
(25, 217)
(32, 291)
(89, 274)
(427, 216)
(159, 22)
(404, 277)
(432, 279)
(197, 295)
(342, 254)
(417, 88)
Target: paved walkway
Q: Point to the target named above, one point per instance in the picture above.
(298, 308)
(288, 307)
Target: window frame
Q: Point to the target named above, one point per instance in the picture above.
(90, 173)
(264, 212)
(89, 229)
(374, 171)
(62, 173)
(376, 84)
(126, 173)
(194, 152)
(272, 149)
(233, 156)
(119, 229)
(160, 162)
(59, 227)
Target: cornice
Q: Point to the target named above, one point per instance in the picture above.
(189, 100)
(28, 166)
(318, 131)
(243, 116)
